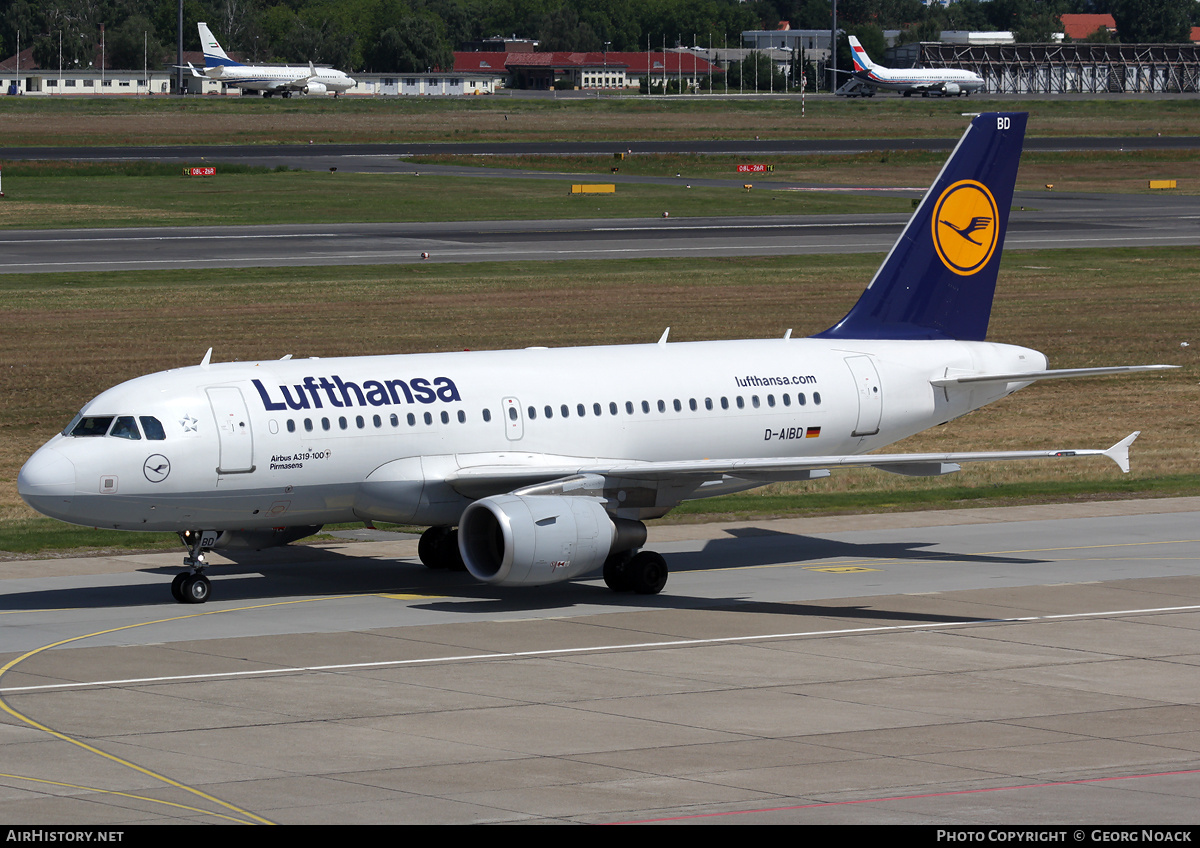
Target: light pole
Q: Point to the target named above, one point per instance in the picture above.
(604, 79)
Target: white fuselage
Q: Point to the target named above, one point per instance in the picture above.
(279, 77)
(300, 441)
(920, 80)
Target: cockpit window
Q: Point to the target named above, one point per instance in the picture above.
(92, 425)
(153, 428)
(125, 428)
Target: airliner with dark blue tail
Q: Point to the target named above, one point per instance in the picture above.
(540, 465)
(283, 80)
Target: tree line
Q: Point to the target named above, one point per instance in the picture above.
(398, 36)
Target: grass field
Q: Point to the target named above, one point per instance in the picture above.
(64, 194)
(69, 337)
(74, 121)
(48, 195)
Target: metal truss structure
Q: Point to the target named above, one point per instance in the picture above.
(1068, 68)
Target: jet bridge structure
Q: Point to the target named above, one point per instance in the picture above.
(1071, 68)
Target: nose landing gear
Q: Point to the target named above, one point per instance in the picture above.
(192, 587)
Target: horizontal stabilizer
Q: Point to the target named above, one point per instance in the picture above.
(1059, 374)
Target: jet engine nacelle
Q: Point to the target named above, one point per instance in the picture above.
(536, 539)
(315, 88)
(951, 88)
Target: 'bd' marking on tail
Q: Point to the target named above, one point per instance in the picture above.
(970, 203)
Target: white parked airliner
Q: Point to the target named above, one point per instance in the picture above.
(548, 460)
(269, 79)
(942, 82)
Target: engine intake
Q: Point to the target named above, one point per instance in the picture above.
(534, 540)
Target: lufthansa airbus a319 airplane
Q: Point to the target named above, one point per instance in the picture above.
(540, 465)
(942, 82)
(269, 79)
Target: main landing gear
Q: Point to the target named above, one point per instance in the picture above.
(438, 549)
(192, 587)
(644, 572)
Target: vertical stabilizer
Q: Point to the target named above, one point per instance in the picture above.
(862, 62)
(939, 278)
(214, 56)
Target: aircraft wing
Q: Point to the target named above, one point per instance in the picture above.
(535, 474)
(298, 83)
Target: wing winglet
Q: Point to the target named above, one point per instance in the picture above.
(1119, 453)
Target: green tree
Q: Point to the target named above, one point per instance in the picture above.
(134, 44)
(757, 72)
(1153, 21)
(415, 43)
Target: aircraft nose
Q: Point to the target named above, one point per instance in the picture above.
(47, 477)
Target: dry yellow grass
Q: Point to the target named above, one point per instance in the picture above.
(169, 120)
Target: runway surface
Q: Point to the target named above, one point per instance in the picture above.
(1040, 219)
(1022, 665)
(1053, 221)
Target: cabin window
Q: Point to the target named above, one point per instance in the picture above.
(125, 428)
(817, 398)
(412, 420)
(692, 404)
(645, 407)
(462, 417)
(532, 413)
(487, 413)
(512, 413)
(153, 428)
(708, 404)
(395, 419)
(342, 421)
(724, 403)
(678, 405)
(428, 418)
(662, 406)
(787, 399)
(291, 425)
(92, 425)
(612, 407)
(770, 400)
(549, 410)
(377, 421)
(597, 409)
(801, 400)
(445, 417)
(755, 401)
(741, 402)
(324, 423)
(629, 407)
(566, 411)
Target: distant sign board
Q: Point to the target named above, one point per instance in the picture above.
(207, 171)
(755, 169)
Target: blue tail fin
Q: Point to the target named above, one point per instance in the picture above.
(938, 280)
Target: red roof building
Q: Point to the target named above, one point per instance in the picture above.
(1079, 27)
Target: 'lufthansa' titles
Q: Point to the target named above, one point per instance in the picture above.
(333, 391)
